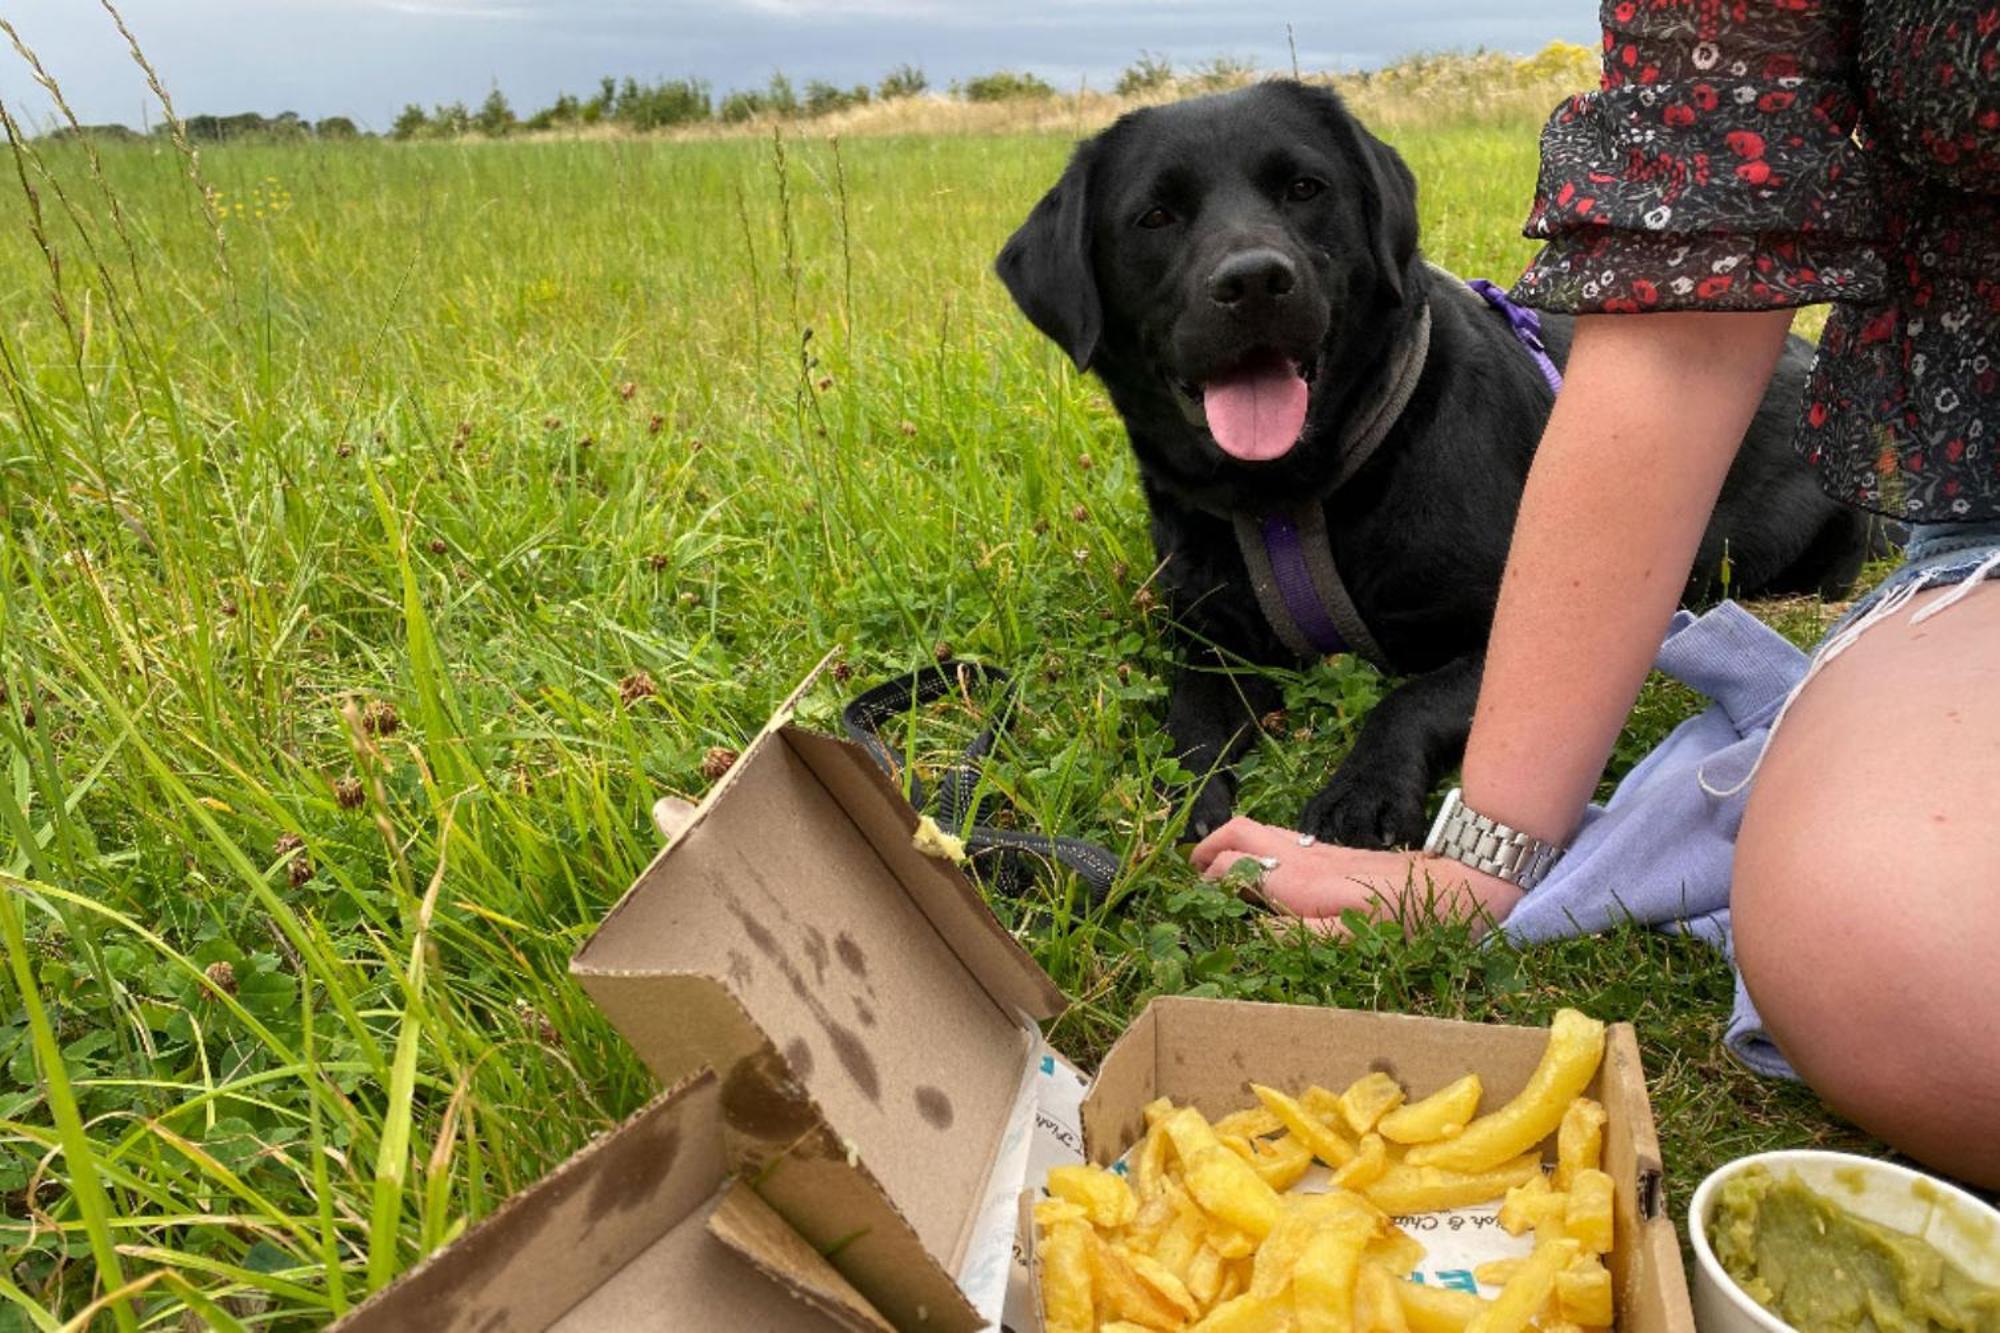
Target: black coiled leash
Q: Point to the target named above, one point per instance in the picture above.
(1006, 860)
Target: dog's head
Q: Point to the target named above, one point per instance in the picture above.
(1218, 262)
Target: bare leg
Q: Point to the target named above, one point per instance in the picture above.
(1867, 892)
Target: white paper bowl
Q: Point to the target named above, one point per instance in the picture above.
(1963, 1229)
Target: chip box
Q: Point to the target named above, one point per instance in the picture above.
(1208, 1052)
(851, 1040)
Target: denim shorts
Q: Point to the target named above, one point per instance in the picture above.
(1937, 555)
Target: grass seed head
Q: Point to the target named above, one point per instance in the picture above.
(842, 673)
(627, 389)
(347, 792)
(907, 427)
(639, 685)
(1079, 515)
(717, 760)
(438, 546)
(941, 651)
(379, 718)
(221, 975)
(1274, 722)
(654, 423)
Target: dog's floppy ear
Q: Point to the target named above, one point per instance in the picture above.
(1046, 265)
(1389, 190)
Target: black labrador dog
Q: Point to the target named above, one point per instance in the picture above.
(1315, 408)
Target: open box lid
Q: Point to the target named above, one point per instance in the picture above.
(870, 1018)
(641, 1230)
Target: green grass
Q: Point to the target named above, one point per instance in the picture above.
(480, 433)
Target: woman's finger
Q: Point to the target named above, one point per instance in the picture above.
(1242, 835)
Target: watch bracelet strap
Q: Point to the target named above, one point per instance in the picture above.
(1464, 835)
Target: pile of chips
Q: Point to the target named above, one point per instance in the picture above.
(1211, 1234)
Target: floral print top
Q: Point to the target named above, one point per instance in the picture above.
(1757, 154)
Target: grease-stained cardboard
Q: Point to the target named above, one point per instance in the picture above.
(642, 1230)
(1208, 1052)
(872, 1024)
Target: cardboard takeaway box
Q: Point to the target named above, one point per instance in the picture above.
(643, 1229)
(1208, 1052)
(873, 1036)
(851, 1041)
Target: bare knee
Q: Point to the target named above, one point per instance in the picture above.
(1876, 979)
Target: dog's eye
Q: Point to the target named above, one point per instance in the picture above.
(1155, 218)
(1304, 188)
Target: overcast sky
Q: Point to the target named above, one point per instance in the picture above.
(366, 58)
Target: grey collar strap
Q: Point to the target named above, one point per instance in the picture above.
(1372, 424)
(1299, 589)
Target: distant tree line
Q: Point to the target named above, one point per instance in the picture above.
(219, 129)
(632, 105)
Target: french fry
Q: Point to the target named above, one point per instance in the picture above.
(1531, 1205)
(1438, 1309)
(1226, 1188)
(1204, 1277)
(1527, 1291)
(1370, 1161)
(1252, 1122)
(1137, 1287)
(1323, 1279)
(1157, 1110)
(1579, 1140)
(1302, 1218)
(1583, 1293)
(1182, 1238)
(1368, 1099)
(1587, 1219)
(1149, 1165)
(1280, 1162)
(1324, 1103)
(1576, 1046)
(1053, 1212)
(1102, 1194)
(1496, 1272)
(1245, 1314)
(1068, 1305)
(1376, 1309)
(1439, 1116)
(1398, 1253)
(1316, 1134)
(1404, 1189)
(1123, 1326)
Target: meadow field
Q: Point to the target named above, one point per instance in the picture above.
(383, 527)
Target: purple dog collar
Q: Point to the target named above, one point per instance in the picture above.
(1527, 326)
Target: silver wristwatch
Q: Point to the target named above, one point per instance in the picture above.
(1465, 835)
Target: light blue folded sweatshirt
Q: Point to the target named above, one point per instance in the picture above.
(1661, 851)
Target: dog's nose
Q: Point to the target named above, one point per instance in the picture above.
(1252, 276)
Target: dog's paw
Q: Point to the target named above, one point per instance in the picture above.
(1366, 814)
(1209, 810)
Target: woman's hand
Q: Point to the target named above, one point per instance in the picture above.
(1316, 883)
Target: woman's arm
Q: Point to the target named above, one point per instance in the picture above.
(1652, 412)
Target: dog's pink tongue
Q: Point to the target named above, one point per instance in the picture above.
(1256, 413)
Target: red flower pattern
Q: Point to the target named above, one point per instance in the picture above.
(1756, 154)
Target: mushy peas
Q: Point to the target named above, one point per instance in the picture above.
(1820, 1268)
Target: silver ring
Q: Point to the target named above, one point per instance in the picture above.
(1267, 863)
(1307, 839)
